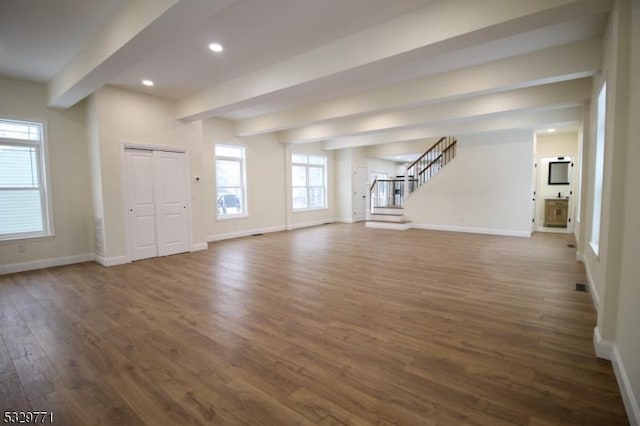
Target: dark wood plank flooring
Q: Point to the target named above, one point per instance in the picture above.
(336, 324)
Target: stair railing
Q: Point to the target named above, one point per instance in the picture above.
(430, 163)
(390, 193)
(387, 193)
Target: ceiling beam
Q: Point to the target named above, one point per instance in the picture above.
(513, 120)
(139, 27)
(475, 22)
(567, 93)
(576, 60)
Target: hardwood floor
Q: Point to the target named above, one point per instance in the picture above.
(336, 324)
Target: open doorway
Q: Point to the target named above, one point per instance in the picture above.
(556, 181)
(554, 206)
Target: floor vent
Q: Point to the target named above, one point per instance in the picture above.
(571, 245)
(256, 235)
(581, 287)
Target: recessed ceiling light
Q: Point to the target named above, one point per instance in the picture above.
(147, 83)
(216, 47)
(551, 130)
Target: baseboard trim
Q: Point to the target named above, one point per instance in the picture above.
(45, 263)
(344, 220)
(309, 224)
(250, 232)
(112, 261)
(603, 348)
(473, 230)
(595, 297)
(199, 247)
(609, 351)
(628, 398)
(388, 225)
(247, 233)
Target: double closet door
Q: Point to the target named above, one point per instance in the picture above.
(158, 218)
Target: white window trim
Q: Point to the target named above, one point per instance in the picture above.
(324, 179)
(243, 162)
(599, 164)
(42, 149)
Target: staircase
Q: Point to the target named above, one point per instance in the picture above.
(387, 195)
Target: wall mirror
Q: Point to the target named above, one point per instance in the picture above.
(559, 172)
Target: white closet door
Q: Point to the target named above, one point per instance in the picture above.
(360, 191)
(141, 209)
(172, 212)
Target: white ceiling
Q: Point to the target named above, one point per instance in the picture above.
(37, 38)
(255, 34)
(348, 72)
(413, 66)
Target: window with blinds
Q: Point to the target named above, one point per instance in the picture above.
(24, 211)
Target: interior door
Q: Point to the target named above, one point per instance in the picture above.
(141, 206)
(359, 193)
(172, 211)
(534, 191)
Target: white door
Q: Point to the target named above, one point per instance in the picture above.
(359, 193)
(534, 191)
(171, 202)
(141, 208)
(157, 204)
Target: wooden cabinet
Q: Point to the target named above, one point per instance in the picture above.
(556, 212)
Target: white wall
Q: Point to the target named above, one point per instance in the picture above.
(602, 267)
(486, 188)
(125, 117)
(95, 170)
(613, 271)
(418, 146)
(627, 336)
(605, 263)
(343, 197)
(380, 166)
(69, 173)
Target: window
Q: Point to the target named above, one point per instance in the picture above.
(230, 181)
(579, 180)
(309, 181)
(24, 207)
(599, 168)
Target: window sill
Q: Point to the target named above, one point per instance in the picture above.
(313, 209)
(231, 217)
(21, 240)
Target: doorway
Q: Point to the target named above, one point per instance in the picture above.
(158, 211)
(554, 206)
